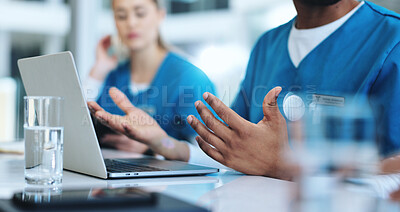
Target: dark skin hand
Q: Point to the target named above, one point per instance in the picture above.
(258, 149)
(254, 149)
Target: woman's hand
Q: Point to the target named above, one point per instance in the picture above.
(139, 126)
(123, 143)
(136, 124)
(104, 63)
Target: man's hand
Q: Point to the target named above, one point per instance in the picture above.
(255, 149)
(123, 143)
(136, 124)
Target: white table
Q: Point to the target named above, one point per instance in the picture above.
(225, 191)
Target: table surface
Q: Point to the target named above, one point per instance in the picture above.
(224, 191)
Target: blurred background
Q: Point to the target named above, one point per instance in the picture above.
(216, 35)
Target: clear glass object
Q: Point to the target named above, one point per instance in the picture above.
(43, 132)
(331, 145)
(340, 141)
(42, 194)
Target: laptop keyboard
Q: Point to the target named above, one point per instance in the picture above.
(115, 166)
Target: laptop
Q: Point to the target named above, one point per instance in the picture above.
(56, 75)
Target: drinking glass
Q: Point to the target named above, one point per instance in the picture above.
(332, 145)
(43, 132)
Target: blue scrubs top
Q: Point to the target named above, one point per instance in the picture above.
(170, 99)
(361, 58)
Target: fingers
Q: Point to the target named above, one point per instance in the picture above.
(115, 122)
(106, 41)
(110, 138)
(224, 112)
(121, 100)
(219, 128)
(103, 46)
(105, 117)
(131, 132)
(94, 107)
(206, 134)
(270, 105)
(210, 151)
(112, 121)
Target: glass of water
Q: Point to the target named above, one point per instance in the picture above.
(336, 145)
(43, 131)
(341, 140)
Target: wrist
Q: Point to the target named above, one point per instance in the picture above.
(156, 144)
(98, 73)
(287, 171)
(171, 149)
(283, 169)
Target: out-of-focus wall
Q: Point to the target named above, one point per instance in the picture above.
(8, 89)
(390, 4)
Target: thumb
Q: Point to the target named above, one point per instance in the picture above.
(270, 104)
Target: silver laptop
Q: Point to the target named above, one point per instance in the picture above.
(56, 75)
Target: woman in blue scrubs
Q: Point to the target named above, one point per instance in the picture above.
(155, 79)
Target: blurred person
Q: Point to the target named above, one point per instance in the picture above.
(332, 47)
(158, 81)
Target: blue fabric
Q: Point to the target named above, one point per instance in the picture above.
(361, 58)
(170, 99)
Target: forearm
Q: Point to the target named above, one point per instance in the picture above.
(98, 72)
(284, 171)
(172, 149)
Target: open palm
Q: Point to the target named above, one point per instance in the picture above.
(136, 124)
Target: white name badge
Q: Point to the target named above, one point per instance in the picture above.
(319, 99)
(293, 107)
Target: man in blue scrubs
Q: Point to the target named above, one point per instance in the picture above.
(334, 48)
